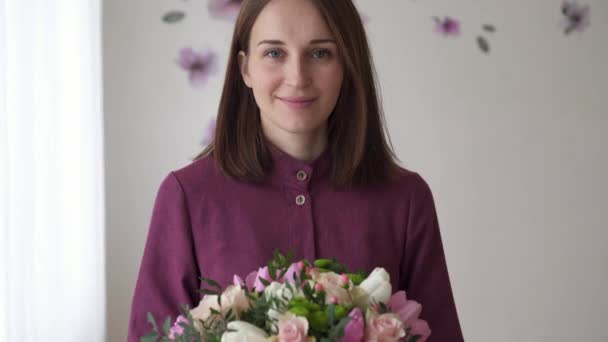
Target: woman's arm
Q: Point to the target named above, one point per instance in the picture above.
(424, 273)
(168, 275)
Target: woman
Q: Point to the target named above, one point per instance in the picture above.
(299, 162)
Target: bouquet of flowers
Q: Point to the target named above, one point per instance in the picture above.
(299, 301)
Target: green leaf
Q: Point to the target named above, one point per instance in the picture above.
(264, 281)
(173, 17)
(483, 44)
(213, 283)
(323, 263)
(208, 292)
(151, 337)
(489, 28)
(167, 326)
(152, 321)
(331, 314)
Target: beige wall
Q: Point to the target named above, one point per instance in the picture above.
(512, 143)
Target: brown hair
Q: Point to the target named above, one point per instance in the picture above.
(357, 133)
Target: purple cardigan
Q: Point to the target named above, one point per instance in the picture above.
(204, 223)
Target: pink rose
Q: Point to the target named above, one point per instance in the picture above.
(293, 328)
(420, 328)
(408, 310)
(354, 330)
(384, 328)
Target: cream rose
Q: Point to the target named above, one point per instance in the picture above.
(332, 285)
(234, 298)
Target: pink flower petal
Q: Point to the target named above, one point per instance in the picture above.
(421, 328)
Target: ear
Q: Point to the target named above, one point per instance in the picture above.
(243, 60)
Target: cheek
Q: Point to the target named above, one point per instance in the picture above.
(265, 80)
(332, 80)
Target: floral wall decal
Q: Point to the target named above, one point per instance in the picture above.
(450, 27)
(576, 16)
(199, 65)
(173, 17)
(209, 134)
(482, 42)
(224, 9)
(447, 26)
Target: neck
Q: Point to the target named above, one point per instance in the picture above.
(304, 147)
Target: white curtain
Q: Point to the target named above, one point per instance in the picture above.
(52, 268)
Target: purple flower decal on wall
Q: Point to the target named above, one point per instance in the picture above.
(447, 26)
(198, 64)
(577, 16)
(364, 18)
(209, 134)
(224, 9)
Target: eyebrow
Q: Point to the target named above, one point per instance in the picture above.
(314, 41)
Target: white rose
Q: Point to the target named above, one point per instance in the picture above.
(375, 288)
(273, 317)
(282, 291)
(239, 331)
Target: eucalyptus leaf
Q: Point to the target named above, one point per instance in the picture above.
(483, 44)
(173, 17)
(152, 321)
(489, 28)
(151, 337)
(167, 326)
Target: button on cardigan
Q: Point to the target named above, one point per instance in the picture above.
(206, 224)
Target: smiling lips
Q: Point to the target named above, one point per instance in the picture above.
(297, 102)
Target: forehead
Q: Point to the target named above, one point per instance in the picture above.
(292, 21)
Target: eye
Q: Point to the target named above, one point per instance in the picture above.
(321, 53)
(274, 54)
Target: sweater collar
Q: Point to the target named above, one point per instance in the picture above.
(289, 171)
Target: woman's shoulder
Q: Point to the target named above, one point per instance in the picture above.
(412, 182)
(202, 174)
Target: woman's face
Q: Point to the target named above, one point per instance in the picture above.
(293, 68)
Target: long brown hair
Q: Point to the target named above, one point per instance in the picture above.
(358, 141)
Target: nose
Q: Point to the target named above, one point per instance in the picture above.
(297, 73)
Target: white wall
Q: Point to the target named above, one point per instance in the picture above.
(512, 143)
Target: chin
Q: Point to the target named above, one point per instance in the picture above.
(301, 128)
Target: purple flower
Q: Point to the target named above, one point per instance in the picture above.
(208, 138)
(225, 9)
(354, 330)
(177, 329)
(238, 281)
(577, 16)
(447, 26)
(198, 64)
(364, 18)
(262, 273)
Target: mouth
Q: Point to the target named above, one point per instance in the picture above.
(297, 102)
